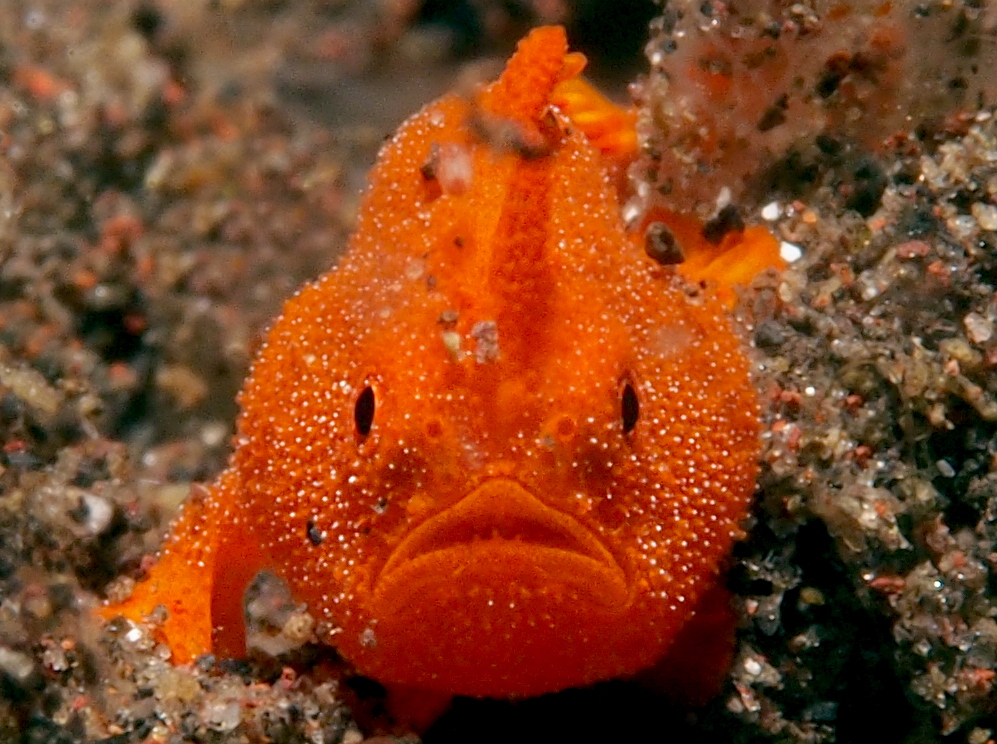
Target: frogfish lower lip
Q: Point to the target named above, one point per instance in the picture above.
(499, 528)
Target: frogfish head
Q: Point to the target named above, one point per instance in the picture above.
(511, 450)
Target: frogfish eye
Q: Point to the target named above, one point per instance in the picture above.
(629, 407)
(363, 411)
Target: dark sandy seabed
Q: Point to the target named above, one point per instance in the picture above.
(170, 171)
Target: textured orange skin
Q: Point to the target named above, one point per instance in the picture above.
(497, 532)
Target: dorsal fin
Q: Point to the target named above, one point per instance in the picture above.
(522, 278)
(517, 106)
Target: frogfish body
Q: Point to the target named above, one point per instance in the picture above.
(498, 450)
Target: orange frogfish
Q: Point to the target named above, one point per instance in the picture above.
(498, 449)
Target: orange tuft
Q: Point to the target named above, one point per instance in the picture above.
(522, 92)
(734, 261)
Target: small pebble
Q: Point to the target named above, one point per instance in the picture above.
(221, 715)
(352, 736)
(99, 513)
(979, 329)
(299, 627)
(790, 252)
(16, 665)
(772, 211)
(986, 215)
(661, 245)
